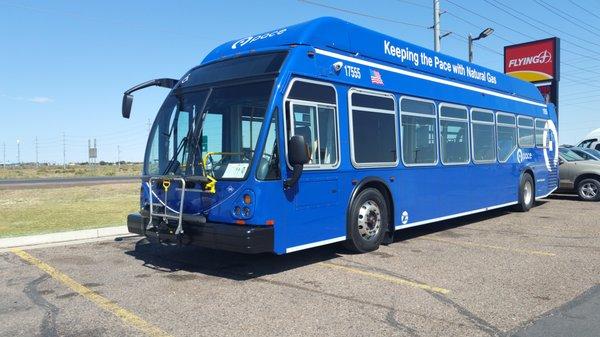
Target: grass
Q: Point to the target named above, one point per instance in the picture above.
(57, 171)
(49, 210)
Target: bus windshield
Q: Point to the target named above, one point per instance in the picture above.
(212, 131)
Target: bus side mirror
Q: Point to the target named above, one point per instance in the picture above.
(560, 161)
(126, 108)
(297, 152)
(297, 157)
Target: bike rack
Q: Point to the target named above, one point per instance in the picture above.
(165, 215)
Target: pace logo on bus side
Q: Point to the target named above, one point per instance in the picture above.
(550, 144)
(404, 217)
(254, 38)
(522, 156)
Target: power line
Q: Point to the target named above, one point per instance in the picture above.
(343, 10)
(64, 151)
(37, 162)
(590, 12)
(519, 16)
(18, 152)
(568, 17)
(588, 57)
(103, 20)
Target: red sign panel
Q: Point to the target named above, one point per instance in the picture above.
(533, 61)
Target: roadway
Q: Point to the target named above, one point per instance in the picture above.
(64, 182)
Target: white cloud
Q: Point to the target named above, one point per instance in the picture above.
(40, 100)
(36, 99)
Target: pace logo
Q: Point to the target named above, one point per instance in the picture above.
(522, 156)
(550, 143)
(254, 38)
(404, 217)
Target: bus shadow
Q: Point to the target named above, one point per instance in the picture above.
(234, 266)
(445, 225)
(241, 267)
(563, 196)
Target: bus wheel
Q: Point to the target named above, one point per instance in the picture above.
(526, 193)
(368, 221)
(589, 190)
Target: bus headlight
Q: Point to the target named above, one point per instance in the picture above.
(246, 212)
(243, 207)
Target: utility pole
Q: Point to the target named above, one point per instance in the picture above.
(4, 155)
(37, 162)
(64, 151)
(149, 125)
(18, 152)
(118, 156)
(436, 25)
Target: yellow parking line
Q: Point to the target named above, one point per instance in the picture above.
(102, 302)
(388, 278)
(472, 244)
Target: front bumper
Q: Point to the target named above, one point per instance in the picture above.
(236, 238)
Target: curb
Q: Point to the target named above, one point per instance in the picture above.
(42, 239)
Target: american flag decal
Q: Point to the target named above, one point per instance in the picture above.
(376, 77)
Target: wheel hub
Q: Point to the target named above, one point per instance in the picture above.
(369, 220)
(589, 190)
(527, 193)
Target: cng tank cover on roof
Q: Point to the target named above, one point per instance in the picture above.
(341, 37)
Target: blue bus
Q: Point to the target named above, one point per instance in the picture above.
(325, 132)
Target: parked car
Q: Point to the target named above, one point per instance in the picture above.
(586, 153)
(591, 140)
(578, 175)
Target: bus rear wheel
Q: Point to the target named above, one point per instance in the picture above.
(368, 221)
(526, 193)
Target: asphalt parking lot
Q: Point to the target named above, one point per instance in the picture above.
(495, 274)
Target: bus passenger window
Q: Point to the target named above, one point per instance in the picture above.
(419, 132)
(540, 124)
(506, 132)
(525, 127)
(305, 125)
(311, 113)
(373, 117)
(482, 124)
(454, 134)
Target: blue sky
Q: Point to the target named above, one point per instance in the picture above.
(65, 64)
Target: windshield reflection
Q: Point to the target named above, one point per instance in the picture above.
(216, 127)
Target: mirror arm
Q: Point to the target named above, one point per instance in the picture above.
(160, 82)
(296, 173)
(128, 98)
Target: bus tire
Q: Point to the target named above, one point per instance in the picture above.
(589, 189)
(368, 221)
(526, 193)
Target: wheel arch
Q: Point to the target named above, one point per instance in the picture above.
(383, 188)
(585, 176)
(529, 170)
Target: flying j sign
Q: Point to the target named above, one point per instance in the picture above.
(533, 61)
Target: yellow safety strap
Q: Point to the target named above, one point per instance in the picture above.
(211, 186)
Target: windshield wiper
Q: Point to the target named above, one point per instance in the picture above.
(198, 132)
(180, 147)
